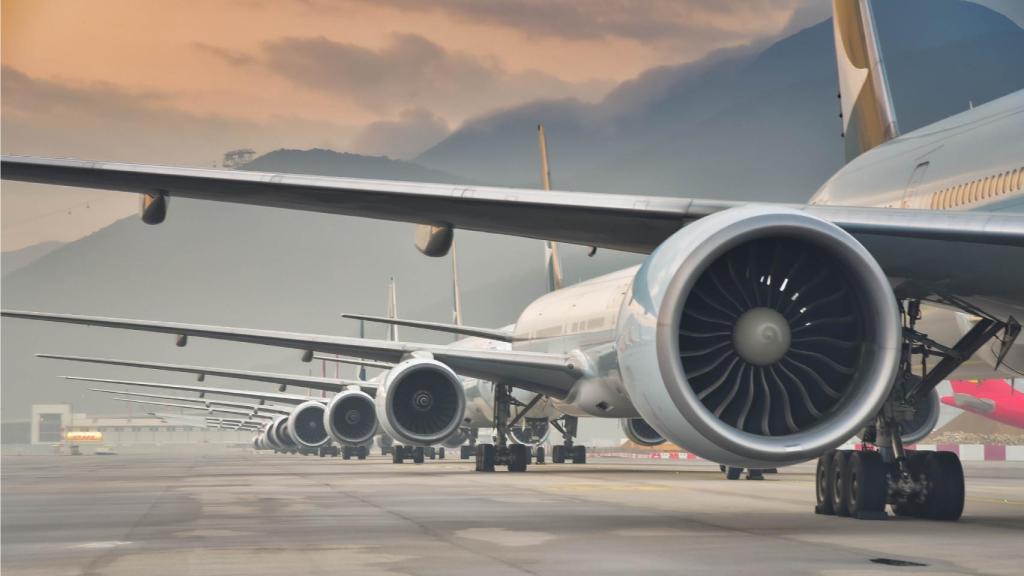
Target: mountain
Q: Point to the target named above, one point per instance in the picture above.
(12, 260)
(746, 124)
(331, 163)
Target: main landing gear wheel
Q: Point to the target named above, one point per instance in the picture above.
(440, 453)
(362, 452)
(579, 454)
(485, 457)
(944, 499)
(346, 452)
(539, 454)
(417, 455)
(465, 452)
(558, 454)
(518, 457)
(840, 479)
(733, 473)
(397, 454)
(824, 485)
(868, 486)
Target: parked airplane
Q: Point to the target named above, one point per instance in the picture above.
(993, 399)
(754, 334)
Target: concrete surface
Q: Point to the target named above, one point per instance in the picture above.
(255, 514)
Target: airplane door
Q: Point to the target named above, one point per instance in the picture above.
(916, 177)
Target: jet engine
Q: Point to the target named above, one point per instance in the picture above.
(926, 415)
(759, 337)
(280, 434)
(640, 432)
(306, 424)
(457, 439)
(420, 402)
(533, 431)
(351, 418)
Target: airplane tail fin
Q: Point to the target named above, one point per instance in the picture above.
(869, 118)
(456, 290)
(392, 335)
(553, 263)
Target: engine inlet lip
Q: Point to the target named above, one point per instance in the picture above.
(457, 389)
(293, 423)
(353, 414)
(860, 404)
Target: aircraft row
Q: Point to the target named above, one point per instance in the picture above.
(754, 334)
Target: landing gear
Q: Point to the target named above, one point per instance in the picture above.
(485, 457)
(346, 452)
(465, 452)
(400, 454)
(568, 426)
(516, 456)
(440, 453)
(921, 484)
(538, 454)
(361, 452)
(859, 484)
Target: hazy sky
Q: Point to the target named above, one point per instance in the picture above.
(183, 82)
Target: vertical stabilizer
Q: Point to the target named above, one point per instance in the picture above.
(867, 111)
(553, 264)
(361, 370)
(392, 310)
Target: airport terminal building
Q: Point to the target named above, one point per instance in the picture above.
(51, 424)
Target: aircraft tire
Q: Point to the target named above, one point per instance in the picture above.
(868, 488)
(841, 478)
(824, 485)
(945, 499)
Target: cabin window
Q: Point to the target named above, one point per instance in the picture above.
(946, 198)
(1020, 178)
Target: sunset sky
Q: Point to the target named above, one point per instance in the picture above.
(183, 82)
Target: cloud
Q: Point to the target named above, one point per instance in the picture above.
(99, 121)
(231, 57)
(415, 131)
(413, 72)
(643, 20)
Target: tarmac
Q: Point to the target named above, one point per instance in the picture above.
(239, 512)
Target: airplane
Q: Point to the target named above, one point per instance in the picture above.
(754, 334)
(994, 399)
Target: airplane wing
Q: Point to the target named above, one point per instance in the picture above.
(927, 254)
(313, 382)
(545, 373)
(262, 396)
(211, 410)
(616, 221)
(204, 401)
(488, 333)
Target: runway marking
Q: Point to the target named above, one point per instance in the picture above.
(505, 537)
(101, 545)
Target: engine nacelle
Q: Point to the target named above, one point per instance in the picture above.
(640, 432)
(926, 416)
(532, 431)
(279, 432)
(351, 418)
(420, 402)
(759, 337)
(306, 425)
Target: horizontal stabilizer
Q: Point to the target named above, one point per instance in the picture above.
(488, 333)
